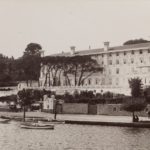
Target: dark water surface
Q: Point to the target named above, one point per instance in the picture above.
(73, 137)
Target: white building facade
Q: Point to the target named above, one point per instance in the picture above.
(119, 63)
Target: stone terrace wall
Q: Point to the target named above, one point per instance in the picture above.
(74, 108)
(116, 110)
(100, 109)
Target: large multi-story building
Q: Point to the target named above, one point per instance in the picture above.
(119, 63)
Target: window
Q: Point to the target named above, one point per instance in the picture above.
(102, 62)
(148, 51)
(89, 81)
(109, 71)
(132, 70)
(141, 60)
(132, 60)
(141, 52)
(117, 70)
(117, 61)
(132, 52)
(117, 54)
(114, 109)
(96, 81)
(96, 56)
(110, 62)
(109, 54)
(117, 81)
(124, 53)
(102, 55)
(124, 61)
(103, 81)
(110, 81)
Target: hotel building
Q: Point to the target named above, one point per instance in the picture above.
(119, 64)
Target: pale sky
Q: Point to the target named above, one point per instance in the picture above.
(59, 24)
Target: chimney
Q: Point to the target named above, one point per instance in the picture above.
(72, 48)
(106, 46)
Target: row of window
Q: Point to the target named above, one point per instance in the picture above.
(125, 61)
(97, 81)
(132, 52)
(110, 62)
(111, 81)
(132, 70)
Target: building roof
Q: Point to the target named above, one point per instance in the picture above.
(111, 49)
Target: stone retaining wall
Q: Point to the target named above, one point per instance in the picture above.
(99, 109)
(74, 108)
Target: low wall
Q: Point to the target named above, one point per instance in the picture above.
(74, 108)
(116, 110)
(99, 109)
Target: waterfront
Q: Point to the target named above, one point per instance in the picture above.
(73, 137)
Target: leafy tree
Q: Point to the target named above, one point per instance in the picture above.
(137, 102)
(54, 66)
(28, 66)
(83, 67)
(7, 70)
(136, 41)
(136, 87)
(134, 104)
(26, 99)
(33, 49)
(77, 67)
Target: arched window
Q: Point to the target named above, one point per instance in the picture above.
(96, 81)
(89, 81)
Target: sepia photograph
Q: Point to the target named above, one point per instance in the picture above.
(74, 74)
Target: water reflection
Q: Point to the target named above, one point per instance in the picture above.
(134, 130)
(73, 137)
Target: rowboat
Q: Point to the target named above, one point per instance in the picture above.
(36, 126)
(4, 120)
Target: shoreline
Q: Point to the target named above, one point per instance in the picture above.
(120, 121)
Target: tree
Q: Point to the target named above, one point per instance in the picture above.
(54, 66)
(136, 87)
(26, 99)
(77, 67)
(28, 66)
(136, 41)
(7, 71)
(83, 67)
(136, 102)
(33, 49)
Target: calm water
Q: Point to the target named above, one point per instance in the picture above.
(73, 137)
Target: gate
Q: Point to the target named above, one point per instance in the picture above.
(92, 109)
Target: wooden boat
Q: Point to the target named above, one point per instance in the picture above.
(4, 120)
(36, 126)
